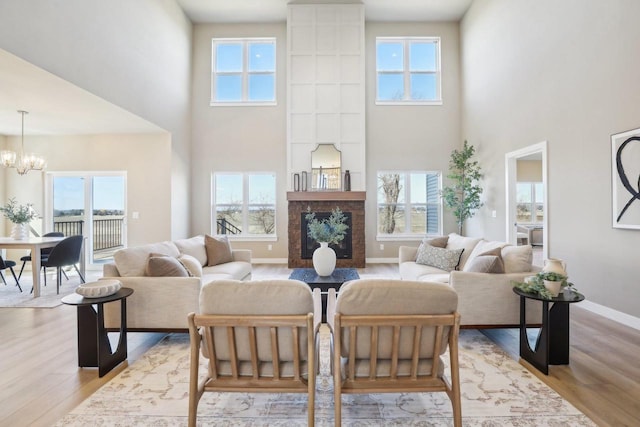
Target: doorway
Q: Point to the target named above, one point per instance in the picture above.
(527, 198)
(92, 204)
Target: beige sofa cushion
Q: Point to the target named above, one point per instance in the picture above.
(218, 250)
(485, 264)
(517, 259)
(261, 297)
(484, 246)
(438, 242)
(386, 297)
(235, 269)
(457, 241)
(131, 262)
(164, 266)
(193, 246)
(192, 264)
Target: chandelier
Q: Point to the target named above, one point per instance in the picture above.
(26, 162)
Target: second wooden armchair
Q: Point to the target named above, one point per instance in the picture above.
(389, 336)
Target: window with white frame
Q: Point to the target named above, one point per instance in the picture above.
(243, 71)
(409, 204)
(244, 204)
(408, 70)
(529, 202)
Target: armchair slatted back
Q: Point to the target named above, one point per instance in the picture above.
(257, 336)
(390, 336)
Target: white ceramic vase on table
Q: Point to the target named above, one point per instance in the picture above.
(558, 266)
(20, 231)
(324, 260)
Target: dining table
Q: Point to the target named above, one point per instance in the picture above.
(35, 244)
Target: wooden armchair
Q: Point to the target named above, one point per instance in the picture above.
(389, 336)
(258, 336)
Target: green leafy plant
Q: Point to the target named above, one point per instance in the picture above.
(331, 230)
(18, 214)
(535, 284)
(463, 196)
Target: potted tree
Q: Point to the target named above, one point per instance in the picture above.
(463, 195)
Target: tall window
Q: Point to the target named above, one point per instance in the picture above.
(409, 204)
(408, 70)
(529, 202)
(244, 204)
(243, 71)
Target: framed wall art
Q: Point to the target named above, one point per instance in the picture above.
(625, 179)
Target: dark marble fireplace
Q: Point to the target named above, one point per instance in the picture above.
(323, 202)
(343, 250)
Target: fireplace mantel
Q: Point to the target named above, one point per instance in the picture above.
(304, 196)
(325, 201)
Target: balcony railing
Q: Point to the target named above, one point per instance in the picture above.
(107, 233)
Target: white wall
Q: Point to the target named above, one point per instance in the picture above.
(410, 137)
(565, 72)
(228, 139)
(135, 54)
(148, 156)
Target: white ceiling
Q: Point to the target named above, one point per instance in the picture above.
(55, 106)
(202, 11)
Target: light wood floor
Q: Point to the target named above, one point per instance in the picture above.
(40, 381)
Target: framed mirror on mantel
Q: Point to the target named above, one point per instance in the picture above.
(326, 168)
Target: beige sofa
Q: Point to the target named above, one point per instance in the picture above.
(163, 303)
(486, 300)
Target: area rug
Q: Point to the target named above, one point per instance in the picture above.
(10, 295)
(496, 391)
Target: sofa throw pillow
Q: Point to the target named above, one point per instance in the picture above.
(192, 264)
(517, 259)
(486, 262)
(457, 241)
(159, 265)
(437, 242)
(218, 250)
(444, 259)
(193, 246)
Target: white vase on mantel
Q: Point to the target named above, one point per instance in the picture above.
(20, 231)
(324, 259)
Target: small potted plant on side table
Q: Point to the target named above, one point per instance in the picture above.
(545, 283)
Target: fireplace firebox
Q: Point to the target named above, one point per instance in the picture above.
(308, 245)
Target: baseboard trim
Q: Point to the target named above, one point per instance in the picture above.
(381, 260)
(609, 313)
(269, 260)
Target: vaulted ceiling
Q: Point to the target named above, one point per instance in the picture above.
(24, 86)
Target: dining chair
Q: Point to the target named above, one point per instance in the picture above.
(390, 336)
(65, 254)
(44, 254)
(7, 264)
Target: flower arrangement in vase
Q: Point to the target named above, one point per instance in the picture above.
(330, 230)
(20, 216)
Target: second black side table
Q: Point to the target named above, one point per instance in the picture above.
(552, 345)
(94, 349)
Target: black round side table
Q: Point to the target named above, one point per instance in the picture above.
(552, 344)
(94, 349)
